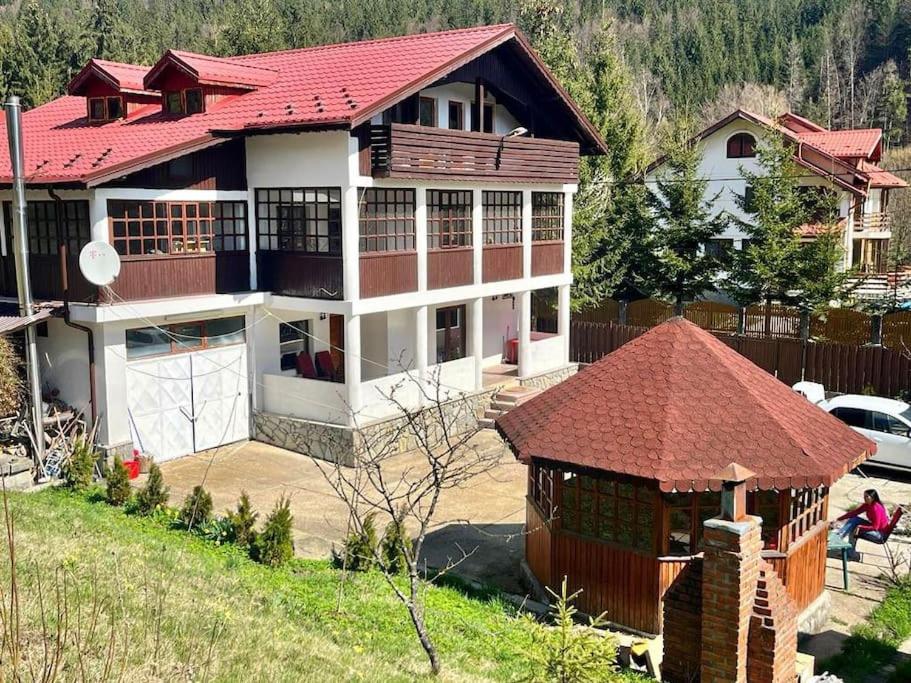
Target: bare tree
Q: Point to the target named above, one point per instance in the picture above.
(442, 430)
(851, 30)
(765, 100)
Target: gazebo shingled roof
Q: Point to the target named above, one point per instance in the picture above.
(677, 405)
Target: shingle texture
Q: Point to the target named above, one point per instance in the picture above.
(677, 405)
(328, 85)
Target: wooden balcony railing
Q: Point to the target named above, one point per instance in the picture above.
(450, 267)
(875, 222)
(314, 276)
(403, 150)
(175, 275)
(388, 272)
(47, 281)
(546, 257)
(501, 262)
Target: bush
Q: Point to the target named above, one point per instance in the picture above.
(11, 390)
(274, 545)
(197, 508)
(154, 495)
(241, 523)
(393, 546)
(118, 489)
(79, 470)
(359, 551)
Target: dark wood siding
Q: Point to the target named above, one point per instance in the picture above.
(385, 273)
(222, 167)
(171, 276)
(501, 262)
(449, 267)
(546, 258)
(47, 279)
(300, 274)
(803, 569)
(407, 151)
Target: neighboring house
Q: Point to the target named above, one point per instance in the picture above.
(346, 211)
(840, 161)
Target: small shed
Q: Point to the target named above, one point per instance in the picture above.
(621, 459)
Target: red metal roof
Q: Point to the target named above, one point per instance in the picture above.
(312, 88)
(880, 177)
(208, 70)
(123, 77)
(677, 405)
(856, 142)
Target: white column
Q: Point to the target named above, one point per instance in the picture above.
(563, 318)
(476, 330)
(420, 346)
(524, 299)
(477, 234)
(567, 232)
(350, 247)
(98, 216)
(353, 365)
(420, 235)
(526, 234)
(252, 241)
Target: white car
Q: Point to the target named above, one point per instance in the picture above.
(883, 420)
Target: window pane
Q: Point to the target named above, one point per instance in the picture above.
(187, 335)
(147, 341)
(225, 331)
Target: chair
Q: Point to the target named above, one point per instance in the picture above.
(324, 365)
(305, 367)
(893, 522)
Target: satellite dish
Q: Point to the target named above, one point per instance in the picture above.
(99, 263)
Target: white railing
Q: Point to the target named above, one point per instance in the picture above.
(307, 399)
(546, 354)
(875, 222)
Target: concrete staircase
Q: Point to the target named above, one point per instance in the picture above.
(505, 400)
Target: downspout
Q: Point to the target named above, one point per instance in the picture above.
(65, 286)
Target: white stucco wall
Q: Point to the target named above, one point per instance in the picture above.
(298, 160)
(374, 356)
(501, 322)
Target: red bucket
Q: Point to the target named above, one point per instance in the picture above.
(132, 467)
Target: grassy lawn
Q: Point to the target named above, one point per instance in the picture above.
(874, 644)
(185, 609)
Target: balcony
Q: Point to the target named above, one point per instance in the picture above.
(315, 276)
(47, 281)
(403, 150)
(874, 222)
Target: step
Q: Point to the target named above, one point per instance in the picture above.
(486, 423)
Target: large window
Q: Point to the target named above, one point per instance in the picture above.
(456, 115)
(449, 218)
(293, 339)
(144, 342)
(387, 220)
(147, 228)
(428, 111)
(307, 220)
(688, 512)
(502, 217)
(541, 485)
(42, 226)
(450, 329)
(741, 146)
(620, 511)
(546, 216)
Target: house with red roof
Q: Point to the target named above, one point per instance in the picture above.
(844, 163)
(298, 230)
(629, 458)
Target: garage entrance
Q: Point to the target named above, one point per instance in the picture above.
(182, 401)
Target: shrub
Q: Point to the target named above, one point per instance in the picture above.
(568, 652)
(79, 469)
(197, 508)
(241, 522)
(118, 483)
(154, 494)
(394, 544)
(10, 379)
(274, 545)
(217, 530)
(359, 551)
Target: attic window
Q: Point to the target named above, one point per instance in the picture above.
(105, 108)
(741, 146)
(189, 101)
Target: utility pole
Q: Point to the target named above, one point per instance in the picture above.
(23, 279)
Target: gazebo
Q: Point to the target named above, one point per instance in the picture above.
(621, 464)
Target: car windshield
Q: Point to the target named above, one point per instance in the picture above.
(906, 415)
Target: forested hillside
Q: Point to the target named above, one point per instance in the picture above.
(843, 62)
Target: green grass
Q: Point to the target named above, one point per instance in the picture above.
(186, 609)
(874, 645)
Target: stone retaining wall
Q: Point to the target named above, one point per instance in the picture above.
(550, 378)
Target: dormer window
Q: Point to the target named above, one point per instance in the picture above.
(105, 109)
(741, 146)
(189, 101)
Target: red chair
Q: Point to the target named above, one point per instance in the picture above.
(324, 365)
(896, 516)
(305, 367)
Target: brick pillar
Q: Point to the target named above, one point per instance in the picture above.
(730, 575)
(682, 626)
(772, 650)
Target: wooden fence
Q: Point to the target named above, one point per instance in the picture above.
(838, 325)
(844, 368)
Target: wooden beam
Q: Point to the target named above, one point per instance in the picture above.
(477, 116)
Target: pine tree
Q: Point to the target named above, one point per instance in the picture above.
(683, 221)
(154, 495)
(118, 483)
(274, 545)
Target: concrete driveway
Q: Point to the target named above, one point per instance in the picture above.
(483, 518)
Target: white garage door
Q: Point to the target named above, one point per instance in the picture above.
(188, 402)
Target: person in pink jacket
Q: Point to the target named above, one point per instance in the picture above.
(871, 525)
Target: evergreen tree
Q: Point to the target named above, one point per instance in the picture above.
(274, 545)
(117, 483)
(683, 221)
(154, 495)
(252, 26)
(894, 105)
